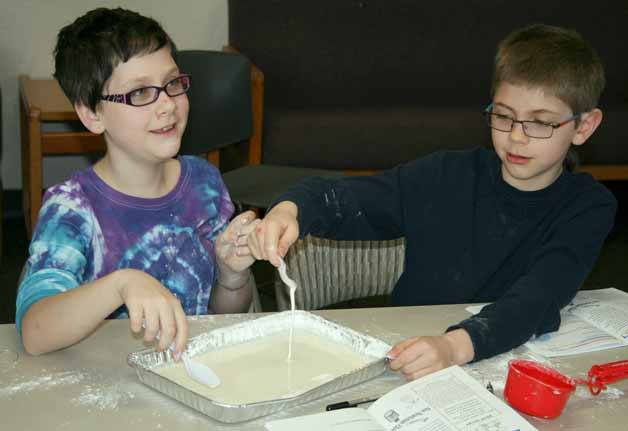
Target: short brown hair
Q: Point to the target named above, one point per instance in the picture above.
(90, 48)
(555, 59)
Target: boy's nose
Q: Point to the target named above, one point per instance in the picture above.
(517, 134)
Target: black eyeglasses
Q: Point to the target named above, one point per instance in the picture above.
(532, 129)
(146, 95)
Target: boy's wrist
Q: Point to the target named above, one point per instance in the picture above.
(460, 345)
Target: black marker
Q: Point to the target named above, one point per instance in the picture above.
(348, 404)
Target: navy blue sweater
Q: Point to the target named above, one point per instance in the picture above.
(471, 237)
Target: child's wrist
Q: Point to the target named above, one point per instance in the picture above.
(460, 345)
(231, 280)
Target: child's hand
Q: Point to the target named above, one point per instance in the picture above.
(276, 233)
(232, 249)
(149, 301)
(419, 356)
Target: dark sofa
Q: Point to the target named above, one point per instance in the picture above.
(368, 84)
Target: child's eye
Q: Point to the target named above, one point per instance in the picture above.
(139, 92)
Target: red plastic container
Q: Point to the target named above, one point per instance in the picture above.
(537, 390)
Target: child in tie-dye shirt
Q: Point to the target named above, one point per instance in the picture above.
(141, 234)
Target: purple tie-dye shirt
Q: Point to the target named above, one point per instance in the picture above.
(87, 230)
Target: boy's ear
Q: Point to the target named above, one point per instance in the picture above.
(589, 121)
(90, 119)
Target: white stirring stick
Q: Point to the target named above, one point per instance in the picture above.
(288, 281)
(293, 287)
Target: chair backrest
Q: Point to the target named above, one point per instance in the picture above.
(221, 111)
(328, 271)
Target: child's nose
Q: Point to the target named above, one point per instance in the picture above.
(164, 102)
(517, 134)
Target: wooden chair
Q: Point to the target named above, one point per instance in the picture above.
(328, 272)
(43, 105)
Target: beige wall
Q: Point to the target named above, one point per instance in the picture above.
(28, 30)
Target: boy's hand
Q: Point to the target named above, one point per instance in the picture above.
(232, 249)
(419, 356)
(149, 301)
(276, 233)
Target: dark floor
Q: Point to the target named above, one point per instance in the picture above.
(611, 270)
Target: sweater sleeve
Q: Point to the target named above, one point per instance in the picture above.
(362, 208)
(57, 254)
(531, 306)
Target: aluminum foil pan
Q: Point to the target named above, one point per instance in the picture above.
(145, 363)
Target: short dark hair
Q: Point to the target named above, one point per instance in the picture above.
(89, 49)
(555, 59)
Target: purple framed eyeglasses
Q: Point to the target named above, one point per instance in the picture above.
(146, 95)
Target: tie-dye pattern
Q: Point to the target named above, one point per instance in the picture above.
(87, 230)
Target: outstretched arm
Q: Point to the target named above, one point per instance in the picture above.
(60, 320)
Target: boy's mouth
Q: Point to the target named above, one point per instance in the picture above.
(516, 159)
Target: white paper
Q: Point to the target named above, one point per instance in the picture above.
(448, 400)
(594, 320)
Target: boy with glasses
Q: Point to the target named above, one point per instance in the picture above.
(514, 227)
(141, 233)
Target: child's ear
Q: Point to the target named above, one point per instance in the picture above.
(90, 119)
(589, 121)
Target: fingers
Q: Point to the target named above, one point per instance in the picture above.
(136, 315)
(242, 241)
(288, 238)
(271, 233)
(419, 356)
(155, 308)
(234, 240)
(167, 328)
(151, 319)
(410, 358)
(182, 331)
(403, 353)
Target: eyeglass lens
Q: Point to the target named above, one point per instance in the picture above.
(533, 129)
(147, 95)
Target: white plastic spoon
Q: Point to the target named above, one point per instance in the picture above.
(197, 371)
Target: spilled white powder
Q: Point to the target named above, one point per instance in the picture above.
(45, 382)
(610, 393)
(495, 370)
(103, 397)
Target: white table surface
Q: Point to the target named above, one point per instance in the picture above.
(90, 386)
